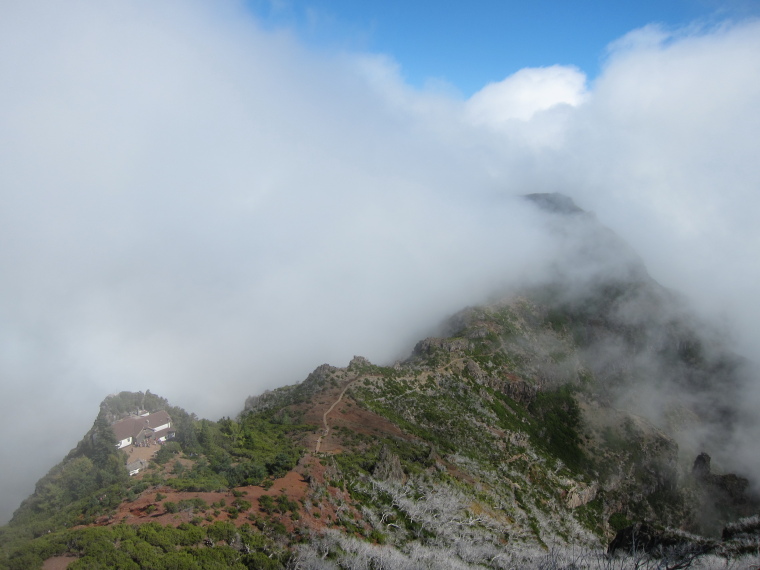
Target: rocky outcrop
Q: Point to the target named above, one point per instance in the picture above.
(723, 497)
(431, 345)
(315, 382)
(475, 372)
(268, 399)
(359, 362)
(729, 487)
(511, 385)
(555, 203)
(519, 391)
(701, 468)
(581, 494)
(388, 467)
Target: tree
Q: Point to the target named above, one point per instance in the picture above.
(102, 441)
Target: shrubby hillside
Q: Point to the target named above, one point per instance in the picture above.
(525, 434)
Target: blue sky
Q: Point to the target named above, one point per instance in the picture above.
(466, 45)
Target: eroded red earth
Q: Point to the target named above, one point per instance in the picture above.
(312, 473)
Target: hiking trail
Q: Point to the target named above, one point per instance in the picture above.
(326, 431)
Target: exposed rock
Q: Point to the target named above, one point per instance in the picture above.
(514, 387)
(581, 494)
(519, 390)
(388, 467)
(722, 495)
(430, 345)
(555, 203)
(323, 371)
(701, 468)
(475, 371)
(358, 361)
(315, 382)
(519, 438)
(478, 332)
(268, 399)
(734, 487)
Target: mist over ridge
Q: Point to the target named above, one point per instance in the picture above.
(205, 209)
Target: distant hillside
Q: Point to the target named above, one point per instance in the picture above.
(534, 431)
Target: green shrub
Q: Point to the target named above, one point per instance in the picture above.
(266, 504)
(618, 521)
(221, 530)
(167, 451)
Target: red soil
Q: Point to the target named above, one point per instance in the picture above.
(292, 485)
(346, 413)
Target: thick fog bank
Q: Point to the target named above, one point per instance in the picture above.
(195, 206)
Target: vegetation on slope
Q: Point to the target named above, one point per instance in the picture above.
(492, 442)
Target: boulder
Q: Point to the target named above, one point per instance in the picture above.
(388, 467)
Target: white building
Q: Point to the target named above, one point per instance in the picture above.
(136, 429)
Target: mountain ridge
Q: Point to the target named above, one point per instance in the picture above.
(512, 435)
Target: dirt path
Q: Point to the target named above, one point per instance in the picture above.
(326, 431)
(144, 453)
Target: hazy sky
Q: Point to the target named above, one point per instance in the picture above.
(206, 204)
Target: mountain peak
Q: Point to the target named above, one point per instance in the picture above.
(555, 203)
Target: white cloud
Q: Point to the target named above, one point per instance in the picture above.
(194, 206)
(525, 93)
(665, 151)
(531, 107)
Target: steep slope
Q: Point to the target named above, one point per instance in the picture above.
(538, 425)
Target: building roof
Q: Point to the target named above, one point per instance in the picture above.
(157, 419)
(133, 425)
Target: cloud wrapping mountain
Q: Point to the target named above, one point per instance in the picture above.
(199, 207)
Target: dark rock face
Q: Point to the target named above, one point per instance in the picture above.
(388, 467)
(722, 498)
(729, 489)
(734, 487)
(701, 469)
(555, 203)
(514, 387)
(520, 391)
